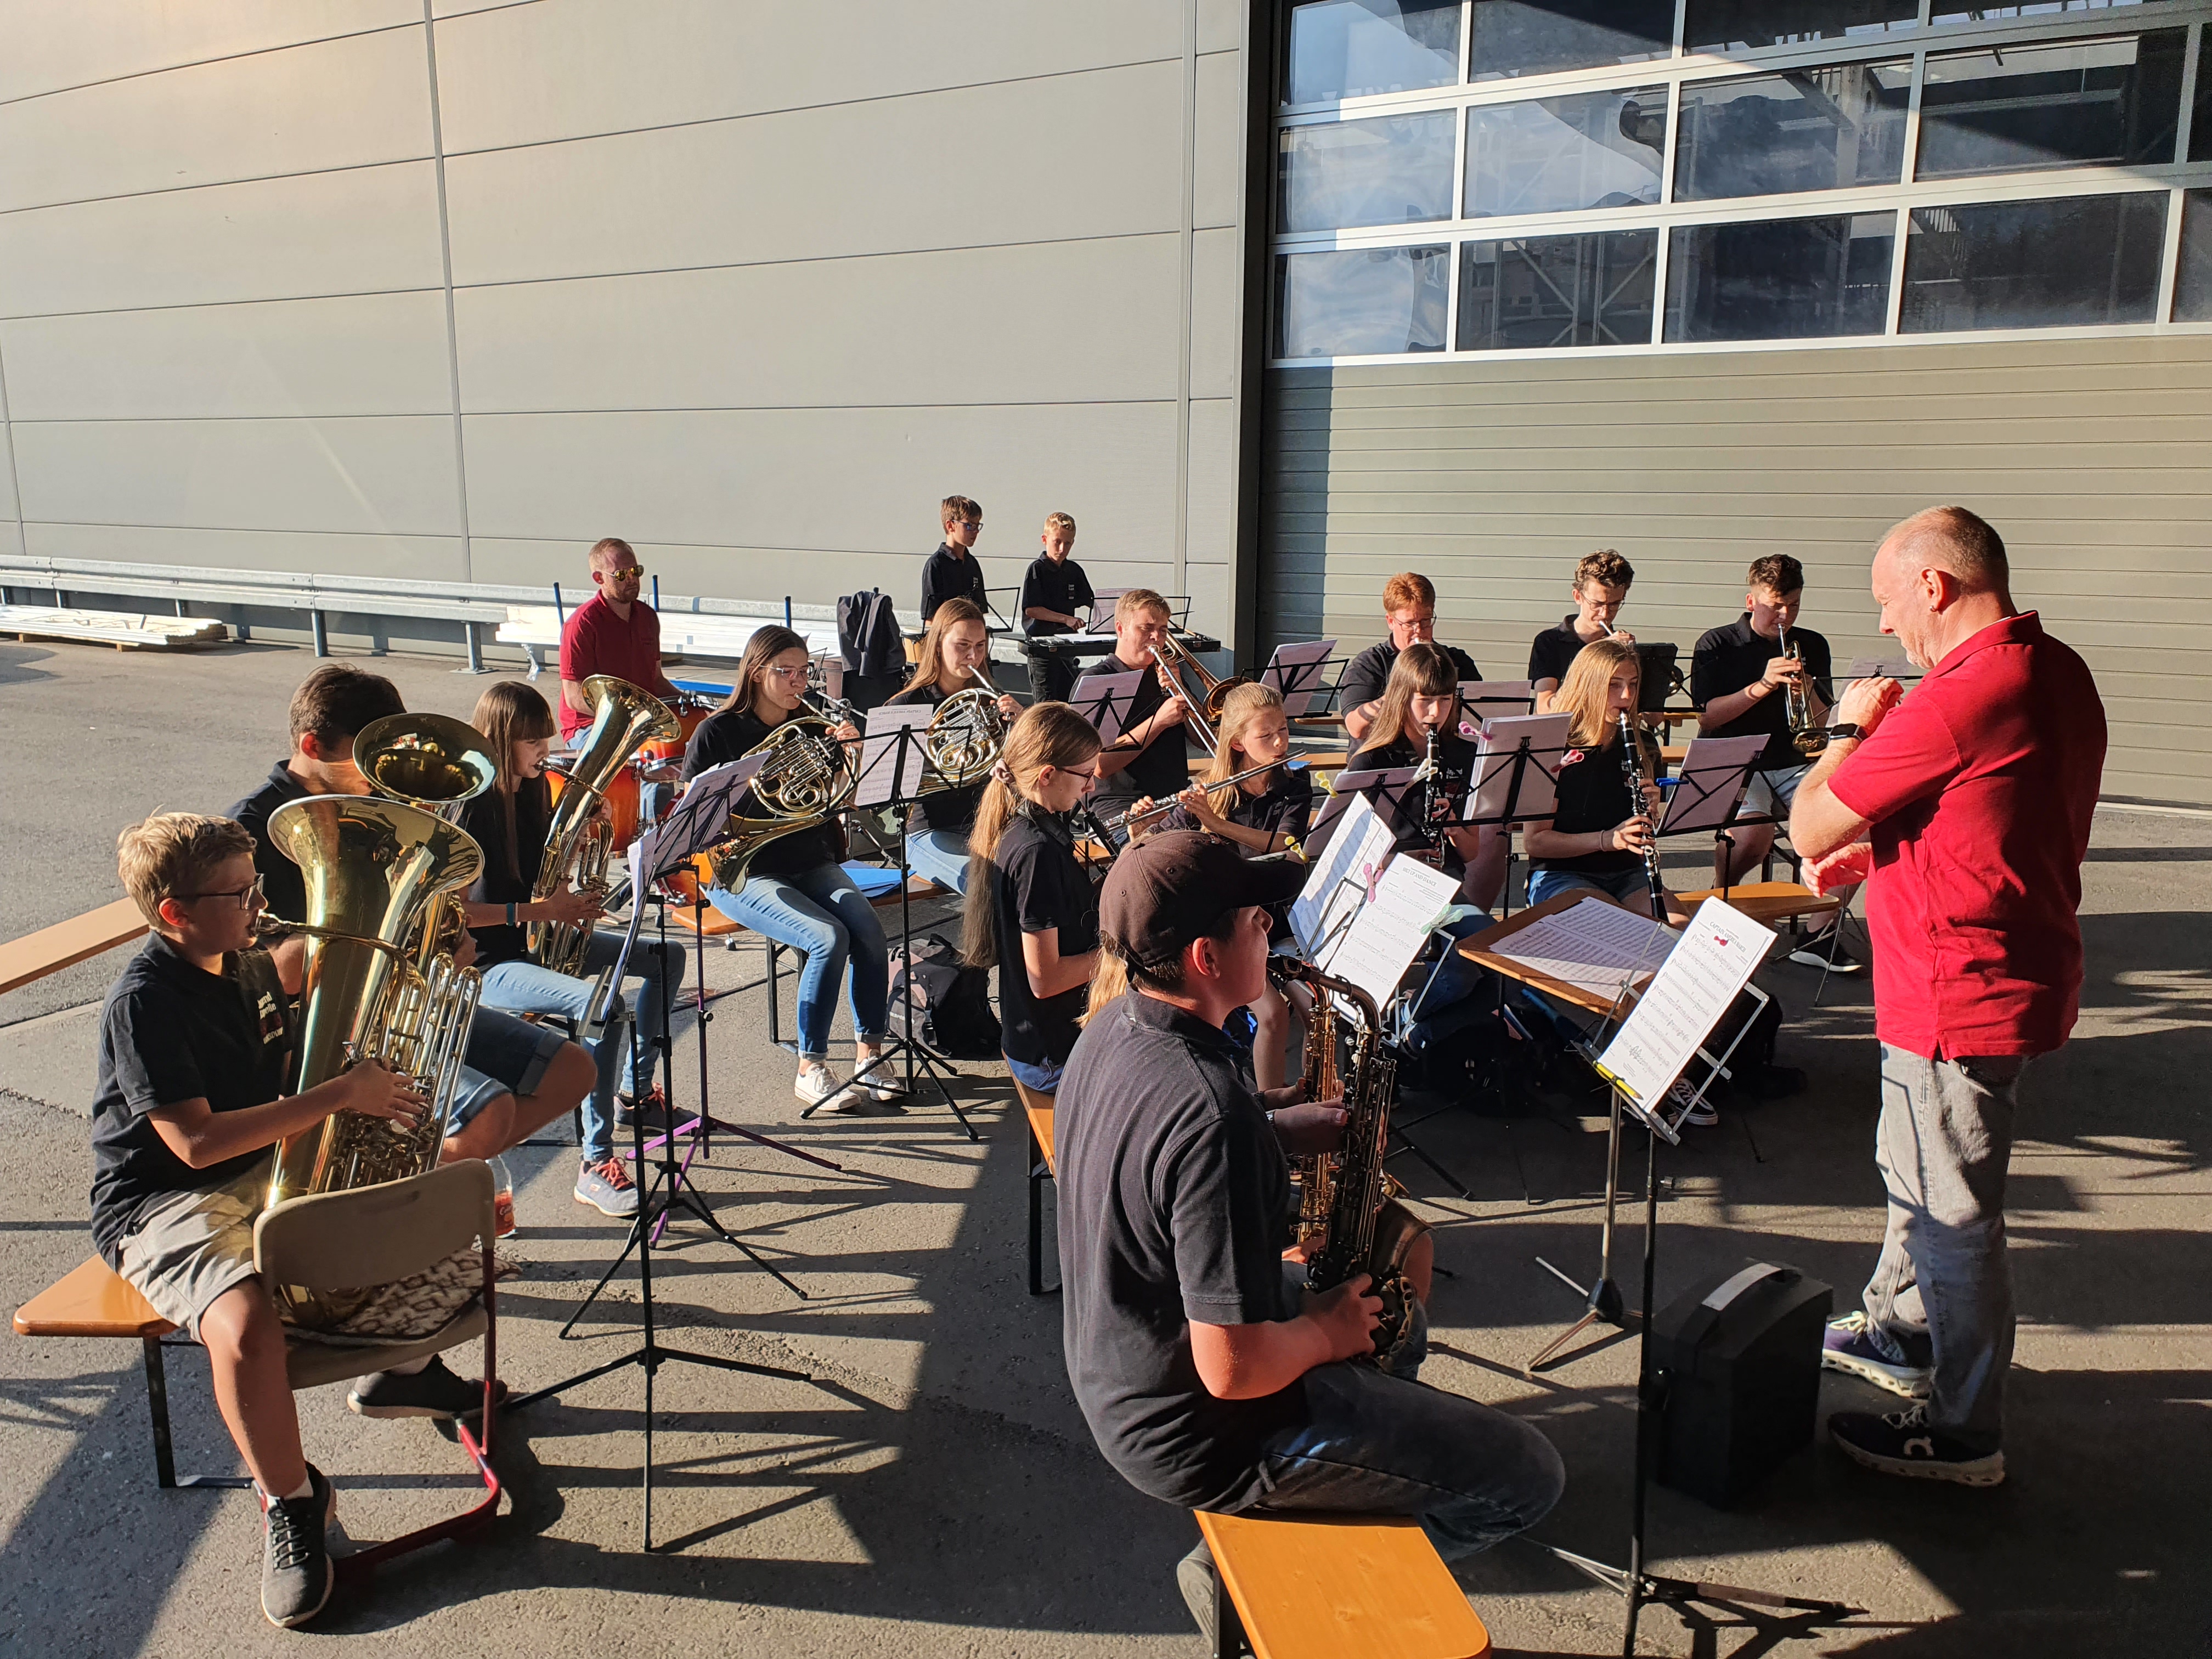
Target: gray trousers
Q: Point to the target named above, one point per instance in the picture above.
(1942, 1293)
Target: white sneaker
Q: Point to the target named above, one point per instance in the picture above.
(816, 1084)
(884, 1083)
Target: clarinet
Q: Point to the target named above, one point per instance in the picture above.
(1632, 767)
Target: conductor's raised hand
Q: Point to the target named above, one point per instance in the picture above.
(1314, 1126)
(1865, 702)
(1347, 1316)
(1847, 865)
(375, 1091)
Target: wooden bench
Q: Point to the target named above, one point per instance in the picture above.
(1347, 1586)
(1042, 1167)
(68, 943)
(94, 1300)
(1768, 900)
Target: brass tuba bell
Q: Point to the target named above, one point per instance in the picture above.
(578, 841)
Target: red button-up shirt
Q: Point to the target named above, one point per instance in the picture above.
(596, 642)
(1979, 786)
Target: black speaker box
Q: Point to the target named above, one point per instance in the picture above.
(1737, 1361)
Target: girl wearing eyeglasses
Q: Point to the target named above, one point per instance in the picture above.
(797, 891)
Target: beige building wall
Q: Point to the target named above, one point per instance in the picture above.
(2093, 456)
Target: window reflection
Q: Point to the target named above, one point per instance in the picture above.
(1361, 301)
(1537, 37)
(1392, 170)
(1816, 129)
(1591, 150)
(2033, 265)
(1785, 279)
(1354, 48)
(2041, 9)
(2192, 283)
(2071, 103)
(1539, 291)
(1749, 25)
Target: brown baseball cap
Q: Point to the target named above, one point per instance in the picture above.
(1172, 888)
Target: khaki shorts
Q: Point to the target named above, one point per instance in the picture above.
(193, 1247)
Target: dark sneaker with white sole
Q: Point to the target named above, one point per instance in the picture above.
(1849, 1346)
(296, 1570)
(1902, 1443)
(1826, 950)
(433, 1391)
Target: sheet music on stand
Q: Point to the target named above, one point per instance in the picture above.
(1383, 792)
(1506, 788)
(1706, 792)
(1401, 909)
(890, 766)
(1495, 697)
(1296, 671)
(1882, 668)
(1709, 966)
(1342, 876)
(696, 823)
(1597, 947)
(1105, 700)
(1102, 609)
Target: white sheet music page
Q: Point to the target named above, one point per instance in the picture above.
(1710, 965)
(883, 756)
(1593, 946)
(1339, 884)
(1104, 700)
(1388, 930)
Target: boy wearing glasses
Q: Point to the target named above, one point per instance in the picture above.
(952, 572)
(195, 1043)
(613, 632)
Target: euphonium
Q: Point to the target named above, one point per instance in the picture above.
(806, 779)
(374, 870)
(1358, 1225)
(579, 842)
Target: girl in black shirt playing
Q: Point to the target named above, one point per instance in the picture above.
(1597, 838)
(1031, 907)
(1422, 697)
(797, 890)
(956, 654)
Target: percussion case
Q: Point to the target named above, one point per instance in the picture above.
(1740, 1356)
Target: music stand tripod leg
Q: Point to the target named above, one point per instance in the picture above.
(1602, 1298)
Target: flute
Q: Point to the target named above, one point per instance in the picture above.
(1126, 821)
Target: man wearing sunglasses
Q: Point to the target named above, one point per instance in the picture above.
(613, 632)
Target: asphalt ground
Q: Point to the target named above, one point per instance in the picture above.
(931, 1490)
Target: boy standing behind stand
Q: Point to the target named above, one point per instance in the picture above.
(1052, 590)
(195, 1043)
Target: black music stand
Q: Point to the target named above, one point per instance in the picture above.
(905, 751)
(1711, 798)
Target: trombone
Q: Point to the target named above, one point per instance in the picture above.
(1171, 656)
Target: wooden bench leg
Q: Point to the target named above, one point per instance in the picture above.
(1039, 1173)
(157, 1404)
(1228, 1629)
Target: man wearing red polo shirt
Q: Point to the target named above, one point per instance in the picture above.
(613, 632)
(1966, 808)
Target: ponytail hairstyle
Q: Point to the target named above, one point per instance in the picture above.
(1245, 704)
(1047, 734)
(930, 665)
(766, 645)
(511, 712)
(1423, 669)
(1584, 694)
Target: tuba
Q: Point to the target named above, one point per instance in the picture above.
(1349, 1218)
(375, 871)
(579, 842)
(805, 779)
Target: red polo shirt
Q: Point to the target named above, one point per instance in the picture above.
(1979, 786)
(596, 642)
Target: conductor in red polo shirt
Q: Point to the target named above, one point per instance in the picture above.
(1966, 808)
(613, 632)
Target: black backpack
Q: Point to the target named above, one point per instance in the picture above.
(868, 633)
(940, 1003)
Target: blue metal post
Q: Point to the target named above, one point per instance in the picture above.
(656, 590)
(559, 611)
(787, 611)
(322, 639)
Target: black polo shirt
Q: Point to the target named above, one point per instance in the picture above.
(1456, 755)
(1174, 1206)
(281, 884)
(1053, 584)
(1164, 768)
(1554, 650)
(1284, 808)
(732, 735)
(1038, 883)
(950, 575)
(1366, 674)
(170, 1032)
(1595, 794)
(505, 880)
(1729, 659)
(951, 810)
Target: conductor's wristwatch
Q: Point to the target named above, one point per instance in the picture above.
(1848, 729)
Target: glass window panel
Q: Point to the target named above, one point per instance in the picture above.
(2083, 259)
(1362, 302)
(2192, 283)
(2200, 126)
(2039, 8)
(1590, 149)
(1780, 279)
(1751, 25)
(1540, 291)
(1537, 37)
(1815, 129)
(1353, 48)
(2063, 104)
(1392, 170)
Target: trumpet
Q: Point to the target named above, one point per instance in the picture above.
(1807, 736)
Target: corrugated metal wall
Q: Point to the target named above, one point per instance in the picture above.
(2093, 456)
(318, 286)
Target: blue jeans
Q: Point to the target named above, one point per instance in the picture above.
(1628, 886)
(821, 912)
(524, 987)
(1045, 1079)
(942, 856)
